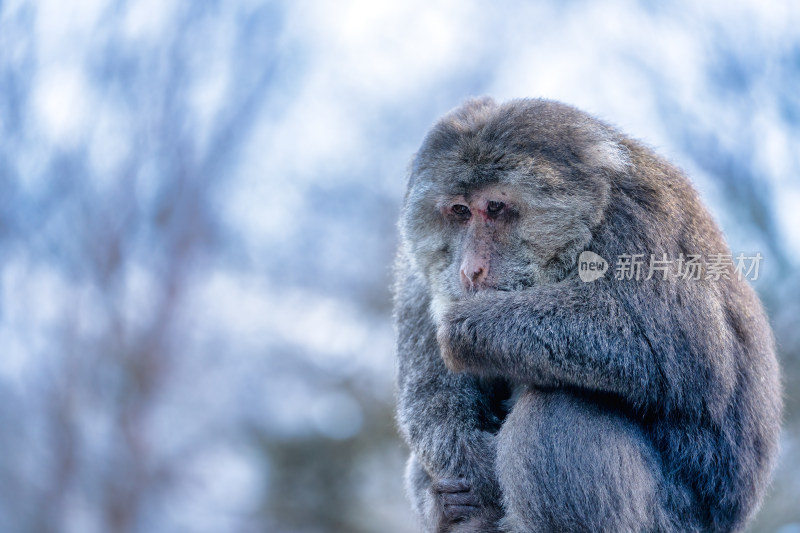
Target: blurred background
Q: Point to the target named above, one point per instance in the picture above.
(197, 225)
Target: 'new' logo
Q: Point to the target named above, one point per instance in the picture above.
(591, 266)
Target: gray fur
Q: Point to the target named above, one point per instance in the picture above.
(639, 405)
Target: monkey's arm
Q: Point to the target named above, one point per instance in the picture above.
(592, 337)
(444, 417)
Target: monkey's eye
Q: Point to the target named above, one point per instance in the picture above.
(460, 209)
(495, 207)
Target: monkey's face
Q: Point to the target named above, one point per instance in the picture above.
(523, 228)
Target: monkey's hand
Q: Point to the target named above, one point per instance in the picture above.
(443, 338)
(466, 496)
(456, 499)
(462, 510)
(456, 321)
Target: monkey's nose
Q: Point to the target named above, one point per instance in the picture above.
(472, 278)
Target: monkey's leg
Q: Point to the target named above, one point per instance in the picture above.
(447, 505)
(565, 464)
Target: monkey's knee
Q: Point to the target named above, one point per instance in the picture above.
(567, 465)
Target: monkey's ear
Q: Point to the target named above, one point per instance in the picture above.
(601, 151)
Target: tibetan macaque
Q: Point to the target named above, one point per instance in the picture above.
(534, 401)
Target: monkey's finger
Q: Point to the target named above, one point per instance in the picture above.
(457, 512)
(451, 485)
(458, 498)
